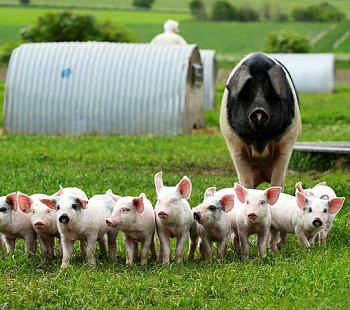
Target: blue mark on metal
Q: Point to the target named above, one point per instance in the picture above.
(66, 73)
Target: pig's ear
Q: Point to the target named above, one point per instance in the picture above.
(184, 187)
(279, 81)
(335, 205)
(60, 192)
(301, 200)
(299, 187)
(24, 202)
(272, 194)
(138, 203)
(11, 199)
(50, 203)
(321, 184)
(158, 181)
(241, 192)
(114, 197)
(81, 202)
(143, 195)
(227, 202)
(238, 80)
(209, 192)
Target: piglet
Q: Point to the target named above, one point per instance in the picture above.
(74, 191)
(214, 224)
(254, 216)
(173, 216)
(43, 219)
(16, 224)
(325, 192)
(134, 216)
(301, 215)
(80, 219)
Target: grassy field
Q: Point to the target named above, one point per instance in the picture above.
(225, 37)
(285, 6)
(293, 278)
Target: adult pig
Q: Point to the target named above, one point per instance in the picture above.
(260, 119)
(134, 216)
(301, 215)
(173, 215)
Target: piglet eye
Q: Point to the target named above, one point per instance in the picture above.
(3, 209)
(58, 207)
(173, 200)
(262, 202)
(75, 206)
(48, 211)
(325, 210)
(309, 210)
(125, 209)
(212, 208)
(33, 211)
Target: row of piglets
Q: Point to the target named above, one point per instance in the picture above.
(240, 212)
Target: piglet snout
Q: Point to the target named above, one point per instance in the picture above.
(163, 215)
(197, 215)
(38, 224)
(112, 222)
(252, 216)
(317, 222)
(64, 218)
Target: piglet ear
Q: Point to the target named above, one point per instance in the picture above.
(184, 187)
(301, 200)
(50, 203)
(81, 202)
(143, 195)
(24, 202)
(138, 203)
(60, 192)
(335, 205)
(321, 184)
(114, 197)
(272, 194)
(227, 203)
(158, 181)
(241, 192)
(299, 187)
(209, 192)
(11, 199)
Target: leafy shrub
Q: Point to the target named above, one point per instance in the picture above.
(68, 26)
(324, 12)
(143, 3)
(24, 1)
(224, 11)
(198, 9)
(245, 14)
(286, 41)
(6, 50)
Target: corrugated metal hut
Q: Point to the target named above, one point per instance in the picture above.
(311, 73)
(209, 77)
(78, 88)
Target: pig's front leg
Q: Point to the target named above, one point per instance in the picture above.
(112, 243)
(262, 241)
(130, 248)
(10, 244)
(103, 248)
(235, 242)
(180, 244)
(90, 250)
(67, 249)
(243, 168)
(164, 247)
(30, 244)
(274, 235)
(153, 248)
(45, 246)
(302, 238)
(222, 248)
(207, 251)
(283, 240)
(281, 164)
(144, 252)
(243, 240)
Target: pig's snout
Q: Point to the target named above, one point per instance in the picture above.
(259, 117)
(317, 222)
(163, 215)
(197, 216)
(112, 222)
(252, 216)
(39, 224)
(64, 218)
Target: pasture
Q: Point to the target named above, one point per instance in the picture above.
(294, 277)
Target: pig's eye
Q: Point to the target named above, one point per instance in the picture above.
(324, 210)
(262, 202)
(125, 209)
(309, 210)
(33, 211)
(58, 207)
(48, 211)
(212, 208)
(3, 209)
(325, 197)
(247, 202)
(173, 201)
(75, 206)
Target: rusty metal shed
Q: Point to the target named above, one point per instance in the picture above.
(75, 88)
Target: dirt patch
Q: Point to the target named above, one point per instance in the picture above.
(3, 73)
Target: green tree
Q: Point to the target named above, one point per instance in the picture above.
(286, 41)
